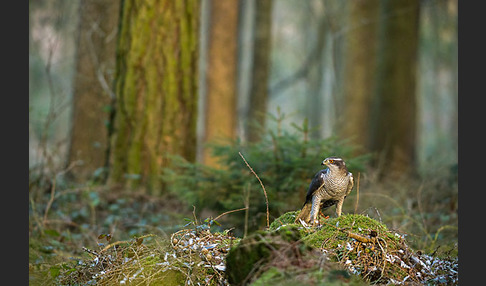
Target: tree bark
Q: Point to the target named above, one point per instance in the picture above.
(394, 108)
(156, 88)
(93, 86)
(360, 71)
(314, 99)
(221, 114)
(260, 70)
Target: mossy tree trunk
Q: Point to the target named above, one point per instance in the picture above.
(220, 110)
(93, 86)
(393, 121)
(156, 88)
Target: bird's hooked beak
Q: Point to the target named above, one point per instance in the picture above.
(324, 162)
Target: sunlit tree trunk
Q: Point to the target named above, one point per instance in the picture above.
(93, 85)
(359, 70)
(156, 89)
(221, 114)
(393, 120)
(260, 69)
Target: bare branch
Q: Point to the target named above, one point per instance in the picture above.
(228, 212)
(261, 184)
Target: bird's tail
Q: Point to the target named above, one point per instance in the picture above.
(304, 213)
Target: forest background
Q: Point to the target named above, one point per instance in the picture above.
(137, 112)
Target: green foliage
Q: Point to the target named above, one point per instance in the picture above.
(285, 161)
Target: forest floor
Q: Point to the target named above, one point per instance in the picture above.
(91, 234)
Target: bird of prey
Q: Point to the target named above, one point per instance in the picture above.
(329, 187)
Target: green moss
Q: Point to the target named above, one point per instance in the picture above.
(270, 277)
(330, 235)
(285, 219)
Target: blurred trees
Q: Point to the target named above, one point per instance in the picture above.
(259, 90)
(156, 89)
(52, 41)
(220, 104)
(393, 120)
(438, 83)
(313, 68)
(351, 72)
(93, 85)
(380, 90)
(360, 70)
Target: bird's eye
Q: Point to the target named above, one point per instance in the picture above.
(331, 161)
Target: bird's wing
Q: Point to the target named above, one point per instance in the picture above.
(315, 184)
(350, 184)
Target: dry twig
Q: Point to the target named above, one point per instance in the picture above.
(228, 212)
(261, 184)
(357, 194)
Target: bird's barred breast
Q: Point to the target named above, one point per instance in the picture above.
(336, 186)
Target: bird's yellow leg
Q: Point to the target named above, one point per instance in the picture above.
(324, 216)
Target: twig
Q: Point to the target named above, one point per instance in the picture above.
(247, 205)
(51, 200)
(232, 211)
(357, 195)
(261, 184)
(194, 214)
(53, 191)
(359, 237)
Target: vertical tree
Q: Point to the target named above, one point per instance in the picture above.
(260, 68)
(360, 70)
(394, 108)
(93, 95)
(315, 63)
(156, 89)
(220, 115)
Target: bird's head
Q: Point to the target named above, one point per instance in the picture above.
(334, 163)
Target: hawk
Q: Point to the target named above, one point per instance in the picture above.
(329, 187)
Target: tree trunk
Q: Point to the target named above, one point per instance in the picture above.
(156, 89)
(93, 85)
(314, 99)
(260, 69)
(360, 70)
(394, 108)
(221, 114)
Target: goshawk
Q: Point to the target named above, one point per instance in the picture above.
(329, 187)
